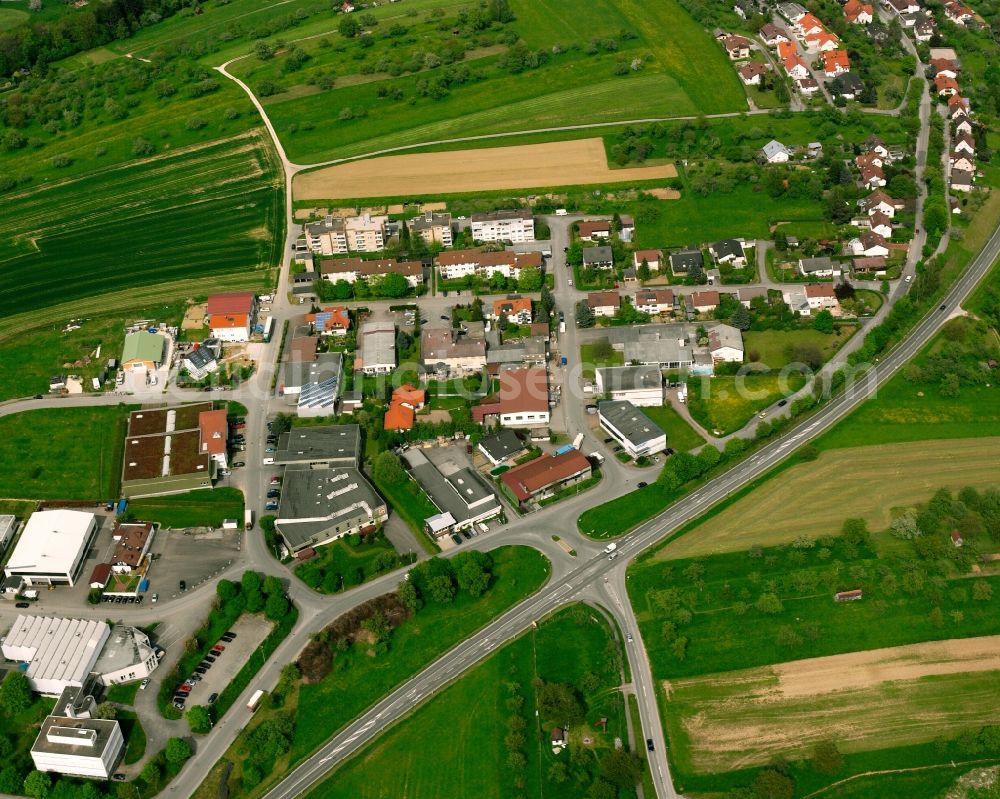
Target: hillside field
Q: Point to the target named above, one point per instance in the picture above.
(522, 166)
(808, 499)
(203, 211)
(877, 699)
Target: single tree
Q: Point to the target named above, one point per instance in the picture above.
(38, 785)
(177, 751)
(388, 469)
(15, 693)
(199, 720)
(826, 757)
(621, 768)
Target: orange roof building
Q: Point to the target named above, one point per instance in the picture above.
(517, 310)
(402, 412)
(836, 63)
(230, 326)
(214, 429)
(332, 319)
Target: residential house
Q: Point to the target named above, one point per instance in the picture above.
(924, 29)
(822, 42)
(819, 267)
(402, 411)
(961, 124)
(961, 181)
(872, 177)
(964, 143)
(774, 152)
(522, 401)
(593, 230)
(444, 349)
(945, 86)
(870, 159)
(604, 303)
(353, 269)
(874, 144)
(792, 12)
(725, 344)
(962, 162)
(808, 25)
(738, 47)
(903, 7)
(773, 35)
(514, 226)
(796, 300)
(958, 105)
(745, 294)
(835, 62)
(376, 353)
(516, 310)
(729, 251)
(846, 85)
(881, 224)
(957, 13)
(640, 385)
(627, 230)
(630, 275)
(879, 201)
(602, 257)
(703, 301)
(545, 476)
(821, 296)
(651, 257)
(199, 362)
(231, 315)
(432, 228)
(752, 73)
(796, 68)
(337, 236)
(876, 265)
(858, 13)
(807, 86)
(654, 301)
(332, 320)
(683, 261)
(869, 244)
(213, 427)
(945, 66)
(638, 435)
(956, 539)
(458, 264)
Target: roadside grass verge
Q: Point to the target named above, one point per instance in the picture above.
(205, 507)
(62, 453)
(574, 647)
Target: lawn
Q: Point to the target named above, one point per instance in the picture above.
(62, 453)
(877, 479)
(410, 502)
(590, 362)
(359, 681)
(135, 736)
(217, 211)
(611, 519)
(727, 403)
(774, 348)
(680, 435)
(343, 564)
(205, 507)
(123, 693)
(472, 714)
(11, 17)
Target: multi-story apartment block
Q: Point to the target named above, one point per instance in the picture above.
(512, 226)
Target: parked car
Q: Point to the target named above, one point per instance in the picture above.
(143, 684)
(183, 585)
(185, 689)
(649, 744)
(201, 669)
(212, 698)
(210, 658)
(782, 403)
(456, 538)
(219, 648)
(274, 493)
(271, 506)
(269, 449)
(227, 637)
(179, 704)
(643, 484)
(239, 464)
(22, 605)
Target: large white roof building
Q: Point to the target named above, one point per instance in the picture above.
(52, 547)
(59, 652)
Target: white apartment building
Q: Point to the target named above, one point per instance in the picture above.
(462, 263)
(513, 226)
(432, 228)
(333, 236)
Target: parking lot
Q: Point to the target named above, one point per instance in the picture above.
(193, 556)
(250, 631)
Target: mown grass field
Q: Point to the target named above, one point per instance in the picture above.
(471, 715)
(62, 453)
(210, 210)
(572, 87)
(680, 435)
(774, 347)
(727, 403)
(808, 498)
(10, 17)
(206, 507)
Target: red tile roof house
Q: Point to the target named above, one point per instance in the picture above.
(822, 41)
(330, 320)
(651, 257)
(604, 303)
(836, 63)
(946, 87)
(956, 538)
(523, 399)
(214, 430)
(594, 229)
(544, 476)
(945, 66)
(821, 295)
(738, 47)
(516, 310)
(654, 301)
(705, 301)
(751, 73)
(402, 412)
(231, 315)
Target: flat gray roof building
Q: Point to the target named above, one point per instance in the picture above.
(458, 492)
(637, 432)
(319, 505)
(331, 444)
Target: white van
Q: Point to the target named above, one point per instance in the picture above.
(268, 461)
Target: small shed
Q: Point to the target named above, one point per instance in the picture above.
(847, 596)
(558, 736)
(956, 539)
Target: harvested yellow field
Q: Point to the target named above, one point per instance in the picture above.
(863, 700)
(813, 499)
(582, 161)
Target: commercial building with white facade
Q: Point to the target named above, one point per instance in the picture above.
(640, 385)
(512, 226)
(78, 747)
(53, 547)
(631, 428)
(127, 656)
(60, 653)
(376, 348)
